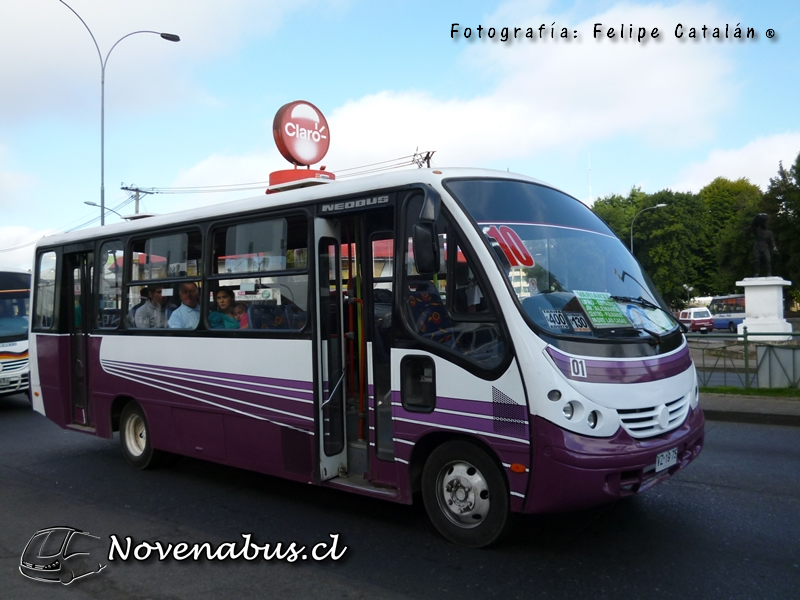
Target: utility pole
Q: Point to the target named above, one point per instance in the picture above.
(136, 191)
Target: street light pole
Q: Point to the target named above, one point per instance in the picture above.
(170, 37)
(637, 214)
(689, 291)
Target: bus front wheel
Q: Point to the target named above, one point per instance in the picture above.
(731, 327)
(134, 437)
(465, 495)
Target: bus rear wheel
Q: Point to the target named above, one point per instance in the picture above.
(731, 327)
(465, 495)
(134, 437)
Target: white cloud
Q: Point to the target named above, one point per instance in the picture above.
(213, 172)
(16, 247)
(547, 96)
(553, 94)
(57, 66)
(757, 161)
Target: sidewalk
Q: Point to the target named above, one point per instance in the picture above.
(751, 409)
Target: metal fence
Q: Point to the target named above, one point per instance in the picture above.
(739, 360)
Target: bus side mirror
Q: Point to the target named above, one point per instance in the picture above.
(430, 206)
(426, 248)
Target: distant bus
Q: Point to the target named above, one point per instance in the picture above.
(475, 336)
(15, 290)
(727, 311)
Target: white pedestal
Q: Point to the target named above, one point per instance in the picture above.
(763, 298)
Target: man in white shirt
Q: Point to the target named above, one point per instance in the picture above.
(187, 315)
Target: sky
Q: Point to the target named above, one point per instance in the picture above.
(591, 114)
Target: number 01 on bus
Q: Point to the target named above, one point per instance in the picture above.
(476, 339)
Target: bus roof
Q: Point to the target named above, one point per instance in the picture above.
(14, 279)
(300, 196)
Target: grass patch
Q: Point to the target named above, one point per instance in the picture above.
(769, 392)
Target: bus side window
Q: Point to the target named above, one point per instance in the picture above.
(45, 302)
(259, 275)
(109, 285)
(449, 308)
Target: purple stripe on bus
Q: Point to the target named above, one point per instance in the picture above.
(618, 371)
(230, 381)
(466, 405)
(476, 407)
(437, 420)
(293, 383)
(231, 399)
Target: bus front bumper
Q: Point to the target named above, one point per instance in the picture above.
(573, 471)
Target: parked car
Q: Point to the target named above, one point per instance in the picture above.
(697, 319)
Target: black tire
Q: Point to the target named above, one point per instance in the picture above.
(134, 438)
(465, 495)
(731, 327)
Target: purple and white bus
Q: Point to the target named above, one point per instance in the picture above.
(15, 291)
(476, 336)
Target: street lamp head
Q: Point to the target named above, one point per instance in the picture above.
(171, 37)
(90, 203)
(662, 205)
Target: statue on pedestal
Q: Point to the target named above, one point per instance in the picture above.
(763, 245)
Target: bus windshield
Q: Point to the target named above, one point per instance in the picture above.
(14, 305)
(570, 273)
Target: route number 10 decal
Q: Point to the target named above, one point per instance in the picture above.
(577, 367)
(511, 244)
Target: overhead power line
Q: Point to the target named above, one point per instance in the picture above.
(418, 159)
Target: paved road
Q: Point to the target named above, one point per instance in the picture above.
(727, 527)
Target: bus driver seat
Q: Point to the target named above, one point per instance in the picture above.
(429, 314)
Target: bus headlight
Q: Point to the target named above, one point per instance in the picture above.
(569, 410)
(593, 420)
(695, 397)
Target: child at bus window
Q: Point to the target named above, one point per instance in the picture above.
(240, 313)
(223, 317)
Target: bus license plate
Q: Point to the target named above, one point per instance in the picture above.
(666, 459)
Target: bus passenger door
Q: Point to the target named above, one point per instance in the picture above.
(78, 283)
(330, 370)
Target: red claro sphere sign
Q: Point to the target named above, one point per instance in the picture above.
(301, 133)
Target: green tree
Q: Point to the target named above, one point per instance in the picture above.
(669, 242)
(730, 206)
(675, 244)
(618, 211)
(782, 205)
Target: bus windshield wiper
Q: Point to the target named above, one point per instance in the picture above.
(648, 304)
(628, 328)
(640, 300)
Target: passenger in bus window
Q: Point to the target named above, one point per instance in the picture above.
(240, 313)
(187, 315)
(152, 314)
(223, 317)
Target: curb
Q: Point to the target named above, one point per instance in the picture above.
(731, 416)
